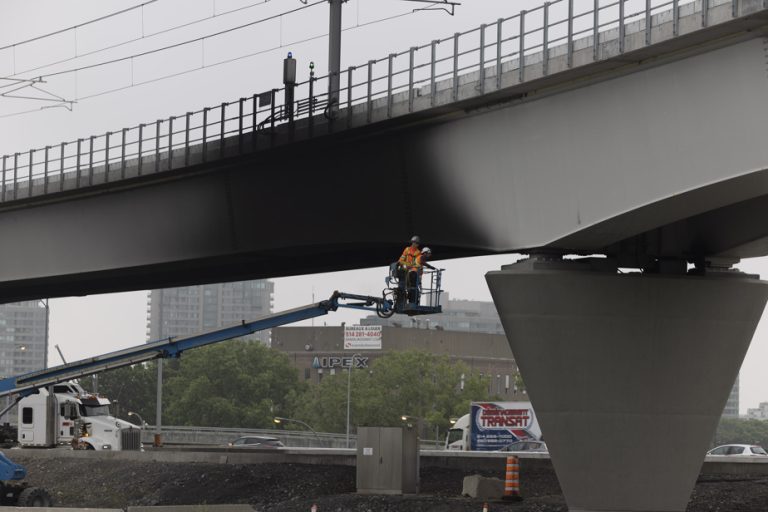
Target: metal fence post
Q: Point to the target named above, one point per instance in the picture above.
(61, 166)
(106, 160)
(122, 154)
(369, 100)
(622, 28)
(90, 161)
(157, 144)
(254, 123)
(521, 56)
(140, 148)
(647, 22)
(570, 33)
(170, 142)
(222, 131)
(45, 172)
(499, 39)
(77, 163)
(432, 69)
(455, 94)
(16, 168)
(239, 127)
(481, 75)
(596, 30)
(411, 57)
(205, 132)
(390, 63)
(186, 138)
(271, 117)
(29, 172)
(675, 17)
(350, 88)
(545, 42)
(2, 195)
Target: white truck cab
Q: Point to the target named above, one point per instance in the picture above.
(66, 414)
(458, 435)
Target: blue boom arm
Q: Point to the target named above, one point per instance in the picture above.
(26, 384)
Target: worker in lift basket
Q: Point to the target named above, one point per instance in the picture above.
(409, 269)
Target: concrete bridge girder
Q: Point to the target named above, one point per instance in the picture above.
(581, 170)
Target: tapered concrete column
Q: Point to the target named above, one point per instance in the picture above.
(628, 373)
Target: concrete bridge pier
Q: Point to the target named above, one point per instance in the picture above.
(628, 373)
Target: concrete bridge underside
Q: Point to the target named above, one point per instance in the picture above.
(669, 161)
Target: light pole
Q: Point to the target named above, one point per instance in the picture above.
(278, 420)
(47, 321)
(349, 388)
(141, 420)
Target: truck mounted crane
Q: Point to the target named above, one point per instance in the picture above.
(392, 301)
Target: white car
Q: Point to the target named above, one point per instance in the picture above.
(747, 450)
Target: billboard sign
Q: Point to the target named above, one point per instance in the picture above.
(362, 337)
(497, 424)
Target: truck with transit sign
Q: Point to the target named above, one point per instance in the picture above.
(66, 414)
(491, 426)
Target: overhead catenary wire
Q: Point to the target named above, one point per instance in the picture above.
(182, 43)
(211, 65)
(79, 25)
(143, 37)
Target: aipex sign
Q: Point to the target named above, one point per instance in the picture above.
(330, 362)
(362, 337)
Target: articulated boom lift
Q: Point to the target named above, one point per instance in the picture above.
(393, 300)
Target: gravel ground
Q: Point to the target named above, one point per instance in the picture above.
(294, 488)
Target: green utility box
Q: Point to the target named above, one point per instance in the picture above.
(387, 460)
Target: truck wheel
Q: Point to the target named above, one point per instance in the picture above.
(34, 497)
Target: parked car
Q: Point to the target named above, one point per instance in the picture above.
(750, 450)
(525, 446)
(256, 442)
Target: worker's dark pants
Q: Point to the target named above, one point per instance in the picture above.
(412, 285)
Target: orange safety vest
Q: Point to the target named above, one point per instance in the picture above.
(411, 258)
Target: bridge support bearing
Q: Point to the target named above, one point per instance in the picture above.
(628, 374)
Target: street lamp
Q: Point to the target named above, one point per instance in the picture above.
(349, 388)
(278, 420)
(141, 420)
(406, 419)
(47, 329)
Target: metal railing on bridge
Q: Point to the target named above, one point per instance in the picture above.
(247, 124)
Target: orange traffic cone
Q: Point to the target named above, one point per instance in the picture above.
(512, 480)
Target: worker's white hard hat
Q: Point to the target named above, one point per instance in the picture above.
(415, 239)
(426, 250)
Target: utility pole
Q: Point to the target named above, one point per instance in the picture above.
(334, 55)
(159, 409)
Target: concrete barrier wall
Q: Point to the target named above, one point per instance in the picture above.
(471, 461)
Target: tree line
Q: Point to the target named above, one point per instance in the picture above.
(243, 384)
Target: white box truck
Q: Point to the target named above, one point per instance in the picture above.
(492, 425)
(66, 414)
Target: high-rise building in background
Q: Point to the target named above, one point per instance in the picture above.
(732, 406)
(192, 309)
(457, 315)
(23, 341)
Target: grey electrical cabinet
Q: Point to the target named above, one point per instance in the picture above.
(387, 460)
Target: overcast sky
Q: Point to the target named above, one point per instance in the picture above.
(88, 326)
